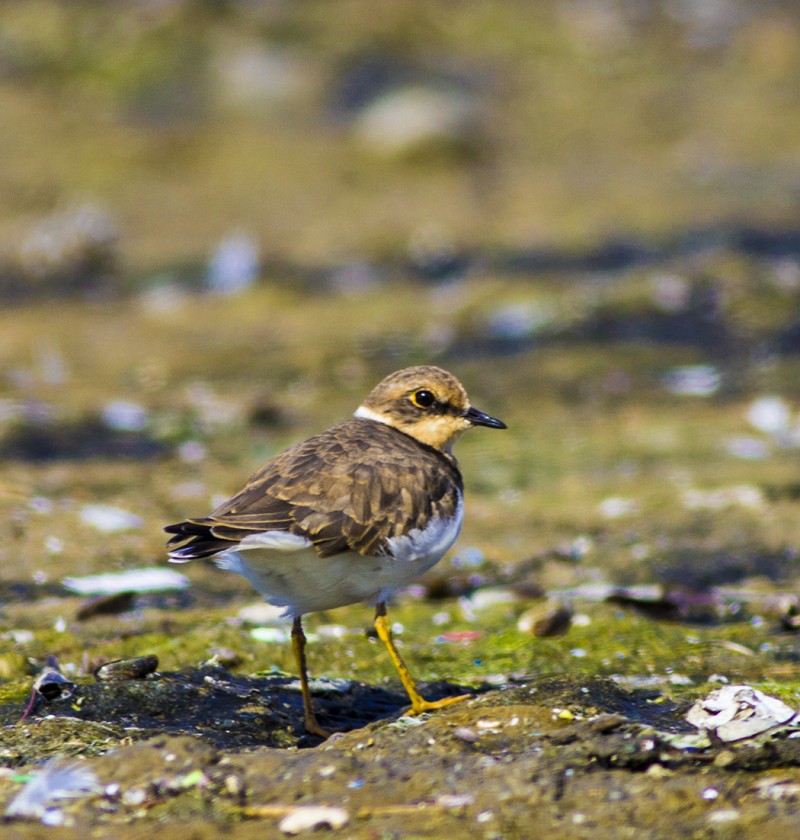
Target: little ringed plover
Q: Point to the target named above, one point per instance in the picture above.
(350, 514)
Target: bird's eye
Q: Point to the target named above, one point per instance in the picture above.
(423, 398)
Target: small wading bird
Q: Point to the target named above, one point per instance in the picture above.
(350, 514)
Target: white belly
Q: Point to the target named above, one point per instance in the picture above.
(288, 573)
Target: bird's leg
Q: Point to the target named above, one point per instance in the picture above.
(418, 703)
(299, 648)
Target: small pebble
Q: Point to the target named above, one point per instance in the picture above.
(550, 618)
(464, 733)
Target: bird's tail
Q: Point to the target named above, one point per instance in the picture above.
(193, 540)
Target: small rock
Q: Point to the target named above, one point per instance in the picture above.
(550, 618)
(312, 817)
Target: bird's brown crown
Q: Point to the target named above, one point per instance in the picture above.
(425, 402)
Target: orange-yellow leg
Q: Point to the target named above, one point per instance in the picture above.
(418, 703)
(299, 648)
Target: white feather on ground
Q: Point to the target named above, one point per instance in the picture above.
(58, 779)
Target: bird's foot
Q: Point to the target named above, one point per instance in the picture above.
(419, 706)
(313, 728)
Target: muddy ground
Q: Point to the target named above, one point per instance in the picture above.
(216, 235)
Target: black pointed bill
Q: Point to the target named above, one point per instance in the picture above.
(478, 418)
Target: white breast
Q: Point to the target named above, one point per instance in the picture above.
(430, 542)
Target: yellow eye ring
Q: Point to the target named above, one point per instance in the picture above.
(423, 398)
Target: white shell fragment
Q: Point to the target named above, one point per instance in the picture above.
(734, 712)
(311, 817)
(130, 580)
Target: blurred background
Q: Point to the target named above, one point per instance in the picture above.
(323, 134)
(221, 223)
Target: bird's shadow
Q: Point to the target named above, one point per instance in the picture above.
(230, 711)
(352, 705)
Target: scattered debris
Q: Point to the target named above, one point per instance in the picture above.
(127, 669)
(130, 580)
(58, 779)
(49, 685)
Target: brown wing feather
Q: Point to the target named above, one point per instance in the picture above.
(319, 490)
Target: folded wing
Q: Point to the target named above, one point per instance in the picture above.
(351, 488)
